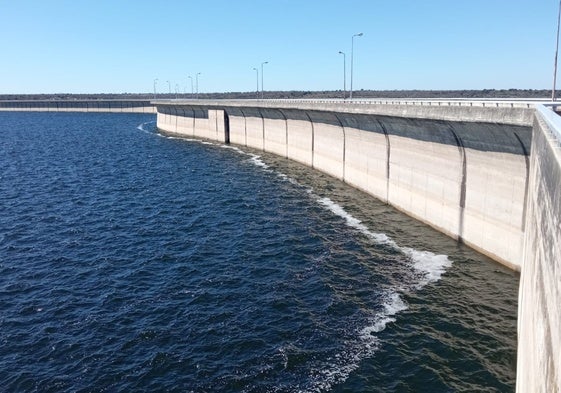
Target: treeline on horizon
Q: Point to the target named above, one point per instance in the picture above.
(406, 94)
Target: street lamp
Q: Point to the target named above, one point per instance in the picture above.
(344, 74)
(556, 52)
(176, 87)
(197, 84)
(169, 87)
(155, 81)
(352, 57)
(192, 91)
(265, 62)
(257, 83)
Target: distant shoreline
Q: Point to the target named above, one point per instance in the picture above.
(485, 93)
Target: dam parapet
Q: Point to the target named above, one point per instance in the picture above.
(539, 305)
(105, 106)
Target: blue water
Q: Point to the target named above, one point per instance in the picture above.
(131, 261)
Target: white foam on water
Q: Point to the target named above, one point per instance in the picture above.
(380, 238)
(430, 266)
(256, 160)
(234, 148)
(337, 369)
(393, 304)
(141, 126)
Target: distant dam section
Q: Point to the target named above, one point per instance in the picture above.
(106, 106)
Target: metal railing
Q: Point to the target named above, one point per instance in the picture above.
(489, 103)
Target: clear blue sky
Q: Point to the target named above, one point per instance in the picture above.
(115, 46)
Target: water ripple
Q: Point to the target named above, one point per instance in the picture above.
(130, 262)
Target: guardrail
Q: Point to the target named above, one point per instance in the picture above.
(523, 103)
(488, 103)
(553, 119)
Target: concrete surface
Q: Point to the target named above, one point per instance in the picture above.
(450, 175)
(111, 106)
(480, 175)
(539, 304)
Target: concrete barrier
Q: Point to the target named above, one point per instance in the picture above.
(107, 106)
(539, 308)
(472, 178)
(466, 179)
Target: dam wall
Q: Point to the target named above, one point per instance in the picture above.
(539, 308)
(468, 179)
(106, 106)
(489, 177)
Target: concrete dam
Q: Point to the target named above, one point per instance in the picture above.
(105, 106)
(485, 173)
(466, 178)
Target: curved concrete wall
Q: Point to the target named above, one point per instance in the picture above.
(539, 310)
(467, 179)
(112, 106)
(474, 180)
(194, 121)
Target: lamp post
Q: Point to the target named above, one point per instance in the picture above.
(155, 81)
(169, 87)
(352, 58)
(556, 52)
(262, 64)
(344, 74)
(257, 81)
(192, 91)
(176, 87)
(197, 84)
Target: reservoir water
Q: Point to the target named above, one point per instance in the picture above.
(132, 261)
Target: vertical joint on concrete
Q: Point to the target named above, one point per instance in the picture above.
(226, 127)
(526, 182)
(463, 182)
(388, 156)
(286, 132)
(344, 143)
(313, 136)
